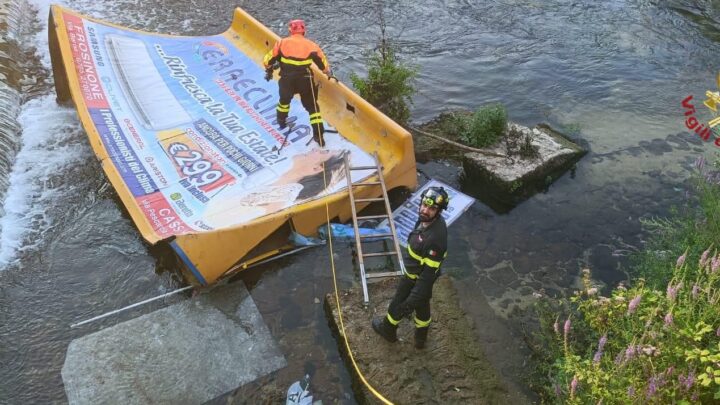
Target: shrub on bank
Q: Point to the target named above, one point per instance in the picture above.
(657, 341)
(649, 346)
(388, 85)
(482, 128)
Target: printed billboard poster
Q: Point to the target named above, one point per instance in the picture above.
(189, 124)
(406, 215)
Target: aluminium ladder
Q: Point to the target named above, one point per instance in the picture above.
(359, 239)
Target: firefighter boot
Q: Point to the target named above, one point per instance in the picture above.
(384, 328)
(421, 337)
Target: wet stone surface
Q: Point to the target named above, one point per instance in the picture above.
(452, 368)
(190, 352)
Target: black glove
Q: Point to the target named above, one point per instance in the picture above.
(268, 74)
(330, 75)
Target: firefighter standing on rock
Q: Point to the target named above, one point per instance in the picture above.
(295, 54)
(426, 249)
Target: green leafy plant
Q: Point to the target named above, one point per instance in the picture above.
(651, 346)
(519, 143)
(482, 128)
(527, 149)
(516, 184)
(389, 82)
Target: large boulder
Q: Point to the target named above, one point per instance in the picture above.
(503, 182)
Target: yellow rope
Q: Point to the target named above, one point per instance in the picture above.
(332, 266)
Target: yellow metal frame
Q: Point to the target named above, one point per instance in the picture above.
(210, 254)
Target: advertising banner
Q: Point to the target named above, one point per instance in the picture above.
(406, 215)
(189, 123)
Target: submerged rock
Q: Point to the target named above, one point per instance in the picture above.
(522, 163)
(504, 182)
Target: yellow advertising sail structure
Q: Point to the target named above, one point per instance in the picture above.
(185, 130)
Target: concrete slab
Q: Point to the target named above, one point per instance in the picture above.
(554, 151)
(187, 353)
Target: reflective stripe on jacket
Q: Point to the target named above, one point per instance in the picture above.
(426, 248)
(295, 55)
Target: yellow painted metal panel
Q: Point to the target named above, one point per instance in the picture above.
(211, 253)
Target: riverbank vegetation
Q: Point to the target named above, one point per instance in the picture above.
(482, 128)
(655, 340)
(485, 127)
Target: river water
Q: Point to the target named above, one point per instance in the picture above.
(616, 70)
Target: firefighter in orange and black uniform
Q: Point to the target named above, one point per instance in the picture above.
(295, 54)
(426, 249)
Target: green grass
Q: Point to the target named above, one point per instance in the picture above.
(483, 128)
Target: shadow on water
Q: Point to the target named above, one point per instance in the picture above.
(496, 197)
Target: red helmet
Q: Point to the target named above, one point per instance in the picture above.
(296, 27)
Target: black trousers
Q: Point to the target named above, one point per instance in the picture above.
(422, 309)
(308, 90)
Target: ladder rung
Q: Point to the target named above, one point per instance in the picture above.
(357, 200)
(372, 183)
(385, 274)
(379, 254)
(362, 167)
(379, 235)
(372, 216)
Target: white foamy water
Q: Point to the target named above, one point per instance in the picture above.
(52, 141)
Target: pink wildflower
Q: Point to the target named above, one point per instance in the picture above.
(687, 382)
(717, 332)
(653, 384)
(680, 261)
(573, 386)
(556, 328)
(668, 319)
(599, 352)
(672, 291)
(633, 304)
(566, 327)
(695, 291)
(715, 264)
(602, 342)
(703, 258)
(630, 352)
